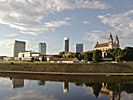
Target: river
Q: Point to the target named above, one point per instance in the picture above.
(51, 87)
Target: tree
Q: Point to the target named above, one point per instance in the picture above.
(43, 58)
(60, 55)
(88, 56)
(116, 52)
(97, 56)
(80, 57)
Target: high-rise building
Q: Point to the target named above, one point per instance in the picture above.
(42, 48)
(19, 46)
(79, 47)
(66, 44)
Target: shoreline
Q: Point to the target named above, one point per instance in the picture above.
(67, 74)
(106, 69)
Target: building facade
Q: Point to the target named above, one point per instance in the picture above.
(66, 44)
(19, 46)
(109, 45)
(42, 48)
(79, 48)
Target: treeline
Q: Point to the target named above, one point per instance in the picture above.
(118, 55)
(95, 56)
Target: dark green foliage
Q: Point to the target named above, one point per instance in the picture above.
(116, 52)
(61, 54)
(97, 56)
(88, 56)
(32, 59)
(43, 58)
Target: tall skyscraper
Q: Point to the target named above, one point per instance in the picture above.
(42, 48)
(79, 47)
(19, 46)
(66, 44)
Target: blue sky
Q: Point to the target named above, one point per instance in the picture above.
(83, 21)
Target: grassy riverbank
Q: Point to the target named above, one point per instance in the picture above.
(68, 68)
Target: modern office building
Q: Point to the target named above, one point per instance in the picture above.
(42, 48)
(79, 48)
(19, 46)
(66, 44)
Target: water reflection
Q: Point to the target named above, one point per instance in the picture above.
(17, 83)
(67, 88)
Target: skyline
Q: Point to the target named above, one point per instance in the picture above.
(83, 21)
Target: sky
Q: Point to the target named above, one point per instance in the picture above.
(49, 21)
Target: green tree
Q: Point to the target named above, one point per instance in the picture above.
(97, 56)
(60, 55)
(43, 58)
(88, 56)
(116, 52)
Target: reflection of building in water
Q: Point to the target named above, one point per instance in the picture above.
(65, 87)
(41, 82)
(17, 83)
(106, 91)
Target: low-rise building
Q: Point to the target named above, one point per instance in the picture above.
(64, 60)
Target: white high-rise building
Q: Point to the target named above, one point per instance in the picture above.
(66, 44)
(79, 47)
(19, 46)
(42, 48)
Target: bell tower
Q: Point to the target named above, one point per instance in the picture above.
(110, 41)
(117, 41)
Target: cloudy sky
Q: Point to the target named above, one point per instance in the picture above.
(83, 21)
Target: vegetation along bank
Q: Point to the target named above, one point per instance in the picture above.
(69, 68)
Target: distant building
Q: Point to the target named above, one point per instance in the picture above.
(42, 48)
(79, 48)
(19, 46)
(110, 45)
(27, 55)
(64, 60)
(66, 44)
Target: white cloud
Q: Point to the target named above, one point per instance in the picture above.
(30, 95)
(27, 15)
(31, 33)
(122, 24)
(96, 35)
(7, 43)
(10, 42)
(86, 22)
(11, 35)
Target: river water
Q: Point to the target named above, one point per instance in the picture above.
(38, 87)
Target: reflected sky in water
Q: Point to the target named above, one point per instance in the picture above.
(24, 89)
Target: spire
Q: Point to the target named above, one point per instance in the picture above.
(116, 40)
(110, 38)
(116, 37)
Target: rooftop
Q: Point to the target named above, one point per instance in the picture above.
(101, 45)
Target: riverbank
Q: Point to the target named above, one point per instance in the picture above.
(68, 68)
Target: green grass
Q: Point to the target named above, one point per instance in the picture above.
(69, 68)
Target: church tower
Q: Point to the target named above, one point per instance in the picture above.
(110, 41)
(117, 41)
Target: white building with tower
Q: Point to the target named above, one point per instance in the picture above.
(42, 48)
(109, 45)
(19, 46)
(66, 44)
(79, 47)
